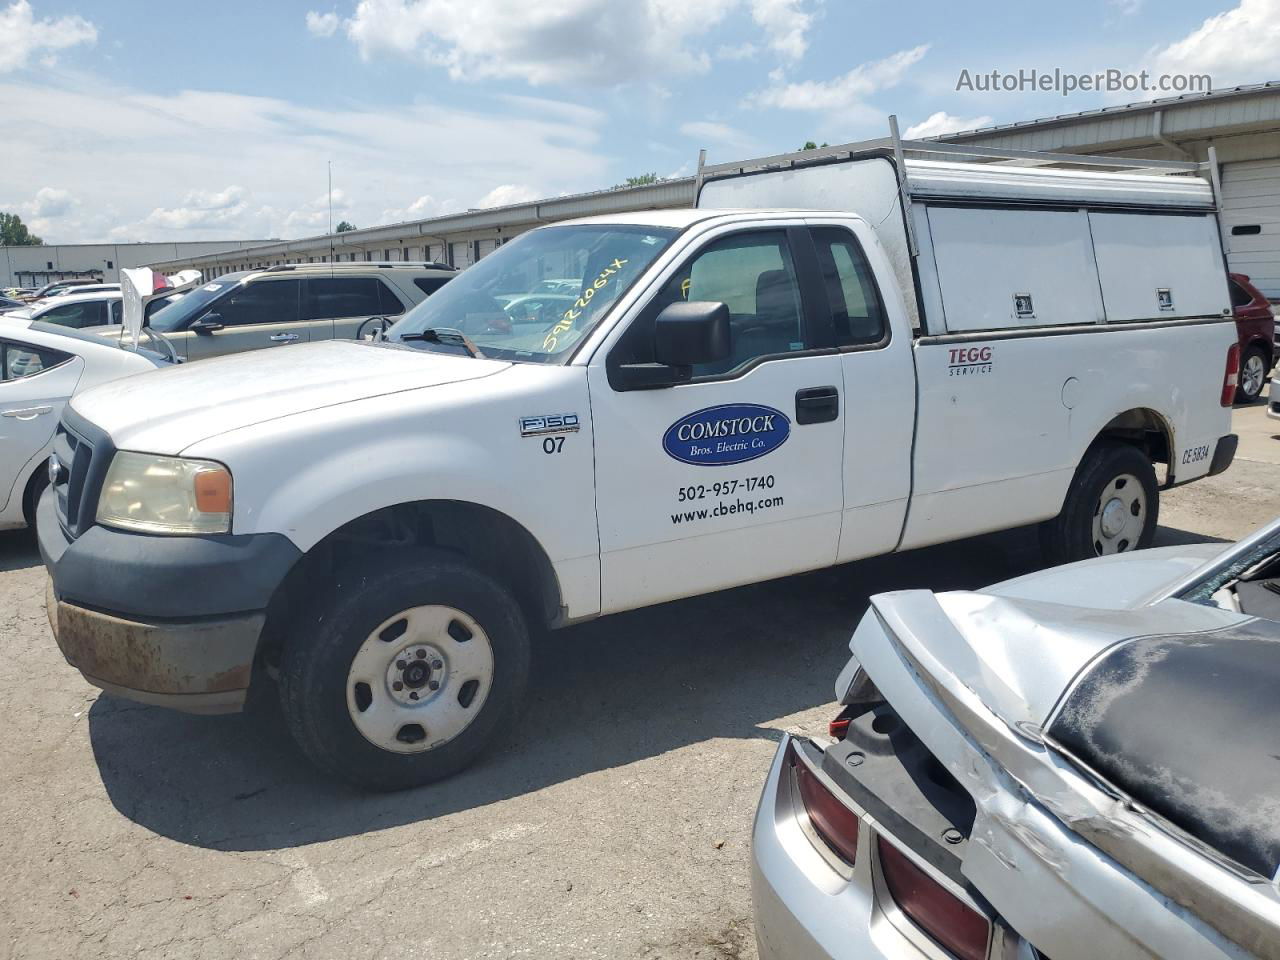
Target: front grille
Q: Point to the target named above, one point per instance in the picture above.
(84, 465)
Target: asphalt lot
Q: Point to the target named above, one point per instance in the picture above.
(613, 822)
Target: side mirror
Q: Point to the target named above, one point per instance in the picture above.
(684, 335)
(207, 324)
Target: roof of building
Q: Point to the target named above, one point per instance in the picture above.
(1245, 90)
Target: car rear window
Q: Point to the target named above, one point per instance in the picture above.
(19, 360)
(1240, 297)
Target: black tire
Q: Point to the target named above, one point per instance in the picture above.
(318, 654)
(1069, 535)
(1244, 395)
(35, 487)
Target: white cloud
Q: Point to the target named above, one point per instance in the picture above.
(937, 124)
(785, 23)
(22, 36)
(51, 202)
(846, 92)
(721, 134)
(1237, 45)
(322, 24)
(509, 193)
(425, 206)
(259, 162)
(201, 208)
(568, 42)
(1126, 8)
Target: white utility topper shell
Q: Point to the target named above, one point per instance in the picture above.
(839, 354)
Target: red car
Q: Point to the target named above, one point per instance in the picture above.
(1256, 327)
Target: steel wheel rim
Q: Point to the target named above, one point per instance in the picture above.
(1252, 375)
(390, 694)
(1119, 516)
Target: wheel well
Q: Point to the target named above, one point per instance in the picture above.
(33, 487)
(1144, 429)
(489, 540)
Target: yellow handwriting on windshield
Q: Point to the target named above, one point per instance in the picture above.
(565, 323)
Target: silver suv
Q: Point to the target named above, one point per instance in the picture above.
(295, 303)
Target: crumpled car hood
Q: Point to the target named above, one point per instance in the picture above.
(977, 677)
(169, 410)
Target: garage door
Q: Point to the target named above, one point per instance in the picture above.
(486, 247)
(460, 254)
(1251, 214)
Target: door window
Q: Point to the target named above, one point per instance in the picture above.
(265, 301)
(91, 313)
(18, 361)
(342, 297)
(755, 276)
(856, 310)
(430, 285)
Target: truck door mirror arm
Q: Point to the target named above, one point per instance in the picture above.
(684, 335)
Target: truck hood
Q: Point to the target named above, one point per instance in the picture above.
(171, 409)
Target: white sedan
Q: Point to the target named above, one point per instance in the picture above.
(41, 367)
(1078, 764)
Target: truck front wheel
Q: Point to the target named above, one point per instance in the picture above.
(1112, 506)
(405, 672)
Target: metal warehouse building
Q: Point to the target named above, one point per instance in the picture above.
(36, 266)
(1242, 123)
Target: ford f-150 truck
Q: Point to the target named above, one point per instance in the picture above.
(839, 354)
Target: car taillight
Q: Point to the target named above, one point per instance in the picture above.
(835, 823)
(933, 908)
(839, 727)
(1231, 377)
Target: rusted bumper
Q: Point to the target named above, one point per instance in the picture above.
(202, 666)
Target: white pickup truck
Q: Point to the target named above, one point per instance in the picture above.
(729, 394)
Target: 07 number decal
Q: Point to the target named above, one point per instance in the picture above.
(553, 444)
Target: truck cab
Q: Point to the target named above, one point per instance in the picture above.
(734, 393)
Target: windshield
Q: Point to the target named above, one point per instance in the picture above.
(175, 315)
(505, 306)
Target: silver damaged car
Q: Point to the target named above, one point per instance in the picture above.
(1081, 763)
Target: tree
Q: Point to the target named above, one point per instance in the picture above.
(810, 145)
(641, 181)
(14, 233)
(343, 227)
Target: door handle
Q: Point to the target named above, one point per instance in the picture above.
(28, 413)
(817, 405)
(283, 337)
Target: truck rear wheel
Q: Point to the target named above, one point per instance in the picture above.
(1112, 506)
(406, 672)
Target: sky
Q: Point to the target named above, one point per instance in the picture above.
(131, 120)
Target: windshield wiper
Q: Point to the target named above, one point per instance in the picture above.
(448, 336)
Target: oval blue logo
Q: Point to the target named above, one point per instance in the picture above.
(727, 434)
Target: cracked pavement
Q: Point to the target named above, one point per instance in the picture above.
(612, 821)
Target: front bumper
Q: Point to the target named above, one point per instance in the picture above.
(169, 621)
(806, 909)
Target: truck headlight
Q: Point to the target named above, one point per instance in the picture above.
(166, 495)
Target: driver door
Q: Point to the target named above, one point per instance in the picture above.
(734, 476)
(262, 313)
